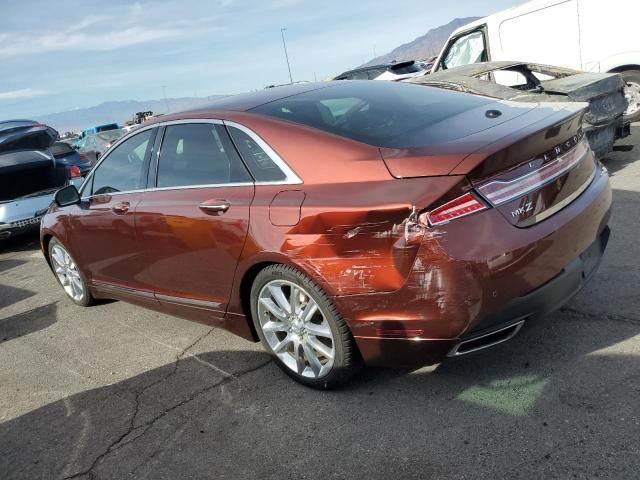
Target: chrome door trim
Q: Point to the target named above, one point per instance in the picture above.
(188, 301)
(123, 290)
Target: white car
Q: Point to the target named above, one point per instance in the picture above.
(588, 35)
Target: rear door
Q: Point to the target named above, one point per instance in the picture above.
(193, 223)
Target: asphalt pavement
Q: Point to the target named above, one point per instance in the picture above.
(115, 391)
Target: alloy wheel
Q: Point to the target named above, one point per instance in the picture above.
(67, 272)
(632, 94)
(296, 329)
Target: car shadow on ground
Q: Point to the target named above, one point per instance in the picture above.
(624, 152)
(27, 322)
(532, 408)
(21, 243)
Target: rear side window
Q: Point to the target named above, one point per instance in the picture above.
(260, 164)
(383, 114)
(195, 154)
(122, 170)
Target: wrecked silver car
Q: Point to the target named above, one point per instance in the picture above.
(29, 176)
(529, 82)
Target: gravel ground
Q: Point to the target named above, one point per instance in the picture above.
(115, 391)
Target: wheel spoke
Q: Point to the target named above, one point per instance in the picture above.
(295, 299)
(273, 308)
(309, 310)
(299, 357)
(282, 344)
(280, 298)
(320, 347)
(57, 256)
(274, 327)
(316, 330)
(312, 358)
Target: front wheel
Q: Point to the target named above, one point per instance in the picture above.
(68, 274)
(300, 327)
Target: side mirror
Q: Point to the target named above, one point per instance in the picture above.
(67, 196)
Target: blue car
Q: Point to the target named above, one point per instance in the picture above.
(66, 155)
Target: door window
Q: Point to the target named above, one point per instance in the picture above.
(123, 169)
(465, 50)
(198, 154)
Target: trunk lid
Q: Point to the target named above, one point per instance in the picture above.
(527, 168)
(603, 92)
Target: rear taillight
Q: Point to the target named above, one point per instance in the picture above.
(498, 192)
(458, 207)
(74, 171)
(84, 158)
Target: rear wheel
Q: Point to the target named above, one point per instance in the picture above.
(302, 329)
(632, 92)
(68, 274)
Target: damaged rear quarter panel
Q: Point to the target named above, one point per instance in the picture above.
(350, 238)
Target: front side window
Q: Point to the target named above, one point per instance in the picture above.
(260, 164)
(197, 154)
(123, 170)
(466, 50)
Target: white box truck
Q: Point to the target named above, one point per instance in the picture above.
(590, 35)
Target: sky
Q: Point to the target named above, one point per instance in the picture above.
(63, 55)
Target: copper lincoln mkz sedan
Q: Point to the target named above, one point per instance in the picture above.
(342, 223)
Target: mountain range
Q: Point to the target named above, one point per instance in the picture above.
(119, 112)
(428, 45)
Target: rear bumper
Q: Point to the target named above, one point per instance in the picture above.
(495, 328)
(478, 275)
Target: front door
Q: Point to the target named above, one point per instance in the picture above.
(192, 226)
(104, 233)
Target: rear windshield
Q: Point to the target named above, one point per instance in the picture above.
(383, 114)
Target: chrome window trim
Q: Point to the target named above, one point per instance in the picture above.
(291, 177)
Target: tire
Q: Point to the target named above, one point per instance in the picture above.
(632, 79)
(68, 274)
(315, 346)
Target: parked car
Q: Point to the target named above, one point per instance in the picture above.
(529, 82)
(390, 71)
(66, 155)
(95, 144)
(29, 175)
(342, 222)
(578, 34)
(100, 128)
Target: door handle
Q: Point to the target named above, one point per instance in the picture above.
(120, 208)
(215, 206)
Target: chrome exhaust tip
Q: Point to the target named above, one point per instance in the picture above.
(487, 340)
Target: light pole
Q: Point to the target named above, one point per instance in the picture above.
(286, 56)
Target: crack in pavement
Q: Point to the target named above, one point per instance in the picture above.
(598, 316)
(189, 399)
(119, 442)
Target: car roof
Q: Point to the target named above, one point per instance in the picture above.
(476, 69)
